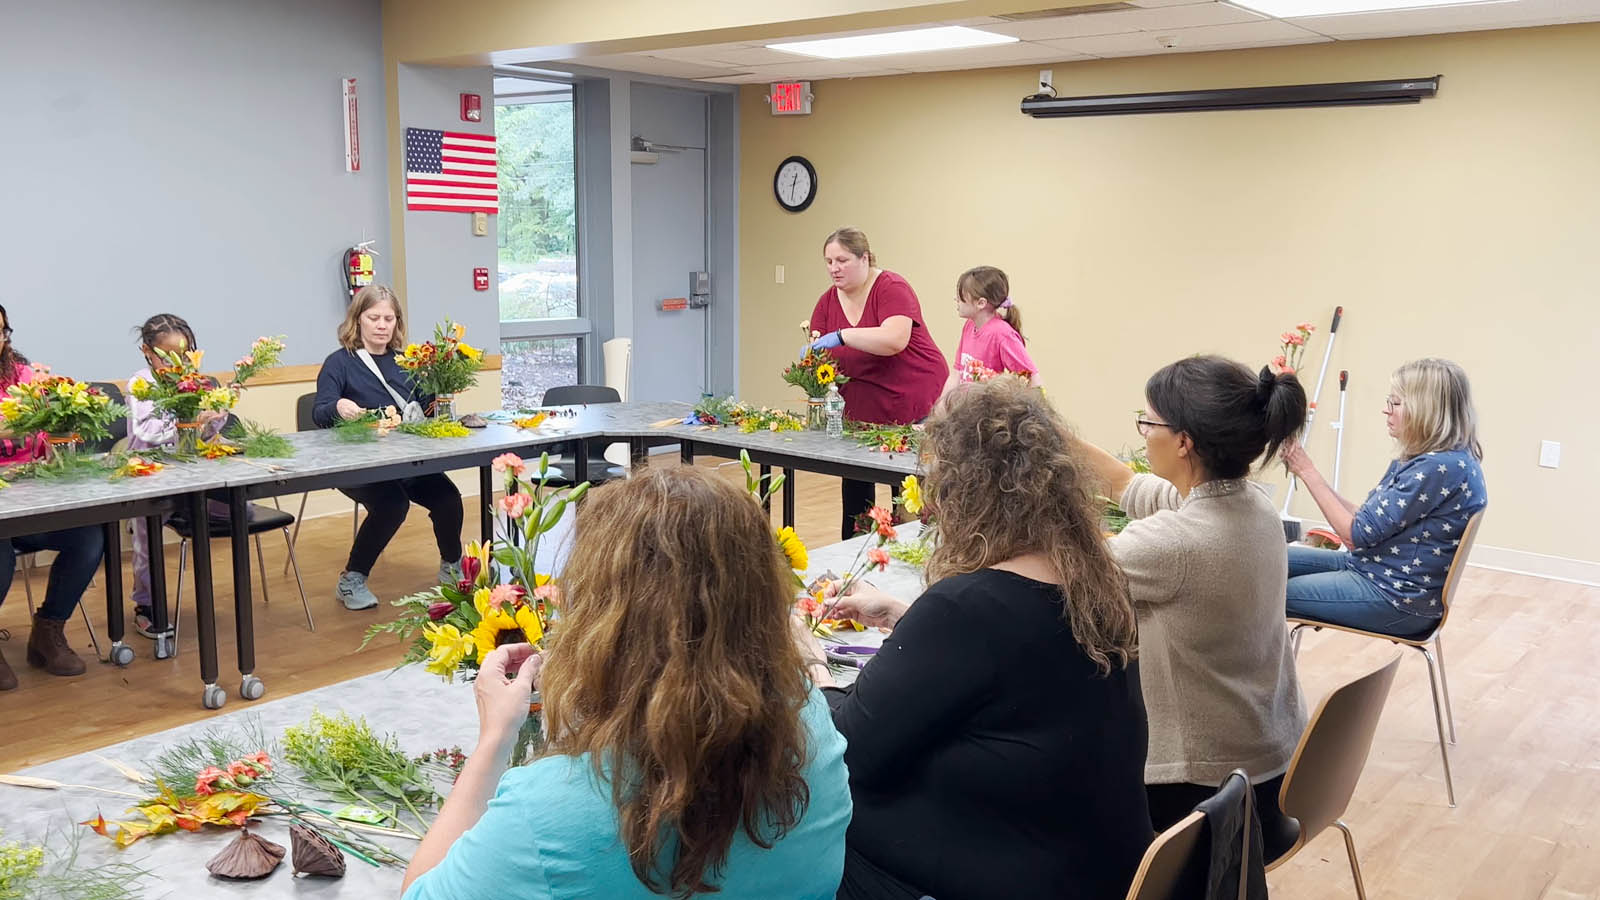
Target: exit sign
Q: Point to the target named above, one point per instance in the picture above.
(790, 98)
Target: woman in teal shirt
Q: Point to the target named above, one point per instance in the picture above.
(675, 664)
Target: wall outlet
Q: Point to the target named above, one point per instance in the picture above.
(1550, 454)
(777, 275)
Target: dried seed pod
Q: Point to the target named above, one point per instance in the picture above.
(247, 856)
(313, 855)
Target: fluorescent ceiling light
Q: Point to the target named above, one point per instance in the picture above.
(949, 37)
(1290, 9)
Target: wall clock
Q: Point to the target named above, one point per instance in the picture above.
(795, 183)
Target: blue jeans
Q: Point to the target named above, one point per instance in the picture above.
(1323, 588)
(78, 552)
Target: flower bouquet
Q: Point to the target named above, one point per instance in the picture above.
(1294, 347)
(814, 373)
(1114, 519)
(499, 597)
(885, 438)
(180, 389)
(744, 416)
(68, 411)
(443, 367)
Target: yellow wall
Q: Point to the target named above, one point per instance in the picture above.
(1465, 226)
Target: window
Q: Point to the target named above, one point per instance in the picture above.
(542, 325)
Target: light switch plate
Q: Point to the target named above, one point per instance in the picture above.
(1550, 454)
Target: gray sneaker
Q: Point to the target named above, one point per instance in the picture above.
(449, 573)
(353, 591)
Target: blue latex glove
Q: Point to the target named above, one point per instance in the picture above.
(827, 342)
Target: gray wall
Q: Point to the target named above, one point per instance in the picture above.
(441, 250)
(184, 156)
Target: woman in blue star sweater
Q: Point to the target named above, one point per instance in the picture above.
(1403, 538)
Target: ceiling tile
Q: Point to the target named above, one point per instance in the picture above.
(1441, 19)
(649, 65)
(1151, 4)
(995, 55)
(1190, 15)
(704, 54)
(1046, 57)
(824, 68)
(1066, 26)
(739, 78)
(1208, 37)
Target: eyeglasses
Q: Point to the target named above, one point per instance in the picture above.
(1390, 404)
(1144, 425)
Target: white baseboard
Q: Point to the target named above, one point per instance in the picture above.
(1522, 562)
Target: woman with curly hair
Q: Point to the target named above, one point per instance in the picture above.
(997, 741)
(688, 754)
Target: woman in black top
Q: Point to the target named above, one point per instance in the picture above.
(997, 741)
(346, 389)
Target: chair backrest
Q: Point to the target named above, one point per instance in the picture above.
(1168, 859)
(118, 429)
(1458, 563)
(302, 412)
(618, 356)
(577, 394)
(1333, 750)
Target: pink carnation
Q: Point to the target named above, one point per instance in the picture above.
(878, 557)
(505, 595)
(509, 461)
(205, 784)
(515, 504)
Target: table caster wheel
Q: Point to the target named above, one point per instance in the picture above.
(251, 688)
(164, 646)
(214, 697)
(121, 654)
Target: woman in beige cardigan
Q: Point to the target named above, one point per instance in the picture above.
(1205, 558)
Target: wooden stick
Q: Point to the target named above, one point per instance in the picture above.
(44, 784)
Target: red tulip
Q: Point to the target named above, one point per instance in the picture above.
(470, 567)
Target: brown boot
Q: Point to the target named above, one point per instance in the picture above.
(8, 678)
(48, 649)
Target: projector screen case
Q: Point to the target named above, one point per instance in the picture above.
(1350, 93)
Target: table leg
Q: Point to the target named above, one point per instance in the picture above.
(166, 640)
(788, 497)
(686, 453)
(250, 687)
(486, 496)
(114, 608)
(638, 453)
(580, 461)
(205, 611)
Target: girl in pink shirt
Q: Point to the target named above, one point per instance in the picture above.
(991, 338)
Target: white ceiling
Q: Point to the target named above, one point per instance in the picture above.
(1147, 28)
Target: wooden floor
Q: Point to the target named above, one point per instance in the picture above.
(1521, 656)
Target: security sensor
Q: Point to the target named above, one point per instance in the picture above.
(1047, 83)
(1167, 41)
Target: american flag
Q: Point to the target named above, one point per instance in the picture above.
(451, 171)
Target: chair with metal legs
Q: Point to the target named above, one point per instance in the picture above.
(302, 422)
(1439, 687)
(262, 520)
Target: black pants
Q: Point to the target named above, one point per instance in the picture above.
(858, 498)
(1171, 802)
(387, 503)
(78, 553)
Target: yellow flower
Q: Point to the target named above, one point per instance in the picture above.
(195, 356)
(9, 407)
(911, 495)
(470, 352)
(480, 600)
(450, 646)
(411, 351)
(793, 548)
(460, 331)
(826, 373)
(138, 387)
(487, 635)
(528, 621)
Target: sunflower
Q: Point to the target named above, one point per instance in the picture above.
(826, 373)
(790, 543)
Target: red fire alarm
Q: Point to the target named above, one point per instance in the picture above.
(480, 278)
(471, 108)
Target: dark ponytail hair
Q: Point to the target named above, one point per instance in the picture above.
(1233, 416)
(10, 359)
(166, 323)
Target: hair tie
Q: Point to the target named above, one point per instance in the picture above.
(1265, 383)
(1005, 304)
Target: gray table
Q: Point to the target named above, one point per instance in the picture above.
(36, 505)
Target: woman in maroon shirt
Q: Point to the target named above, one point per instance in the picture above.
(871, 322)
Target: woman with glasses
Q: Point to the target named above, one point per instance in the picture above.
(78, 550)
(1403, 538)
(1205, 559)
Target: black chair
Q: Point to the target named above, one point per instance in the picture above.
(262, 519)
(119, 428)
(600, 468)
(302, 422)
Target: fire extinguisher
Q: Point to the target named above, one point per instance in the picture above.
(355, 268)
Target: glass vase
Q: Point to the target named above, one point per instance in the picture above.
(530, 737)
(188, 438)
(816, 415)
(444, 407)
(64, 444)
